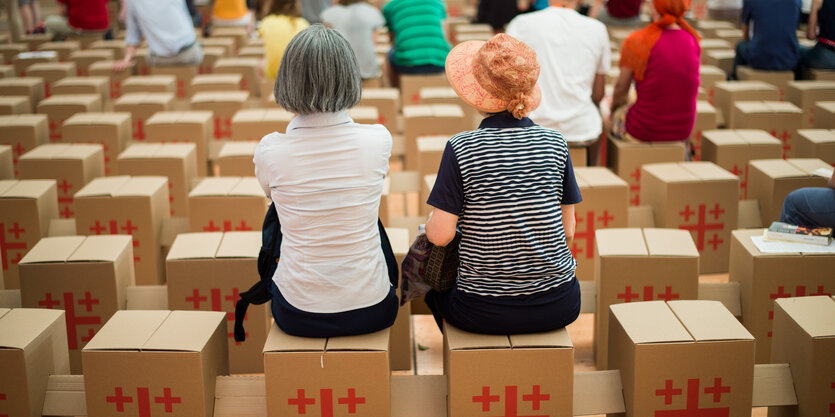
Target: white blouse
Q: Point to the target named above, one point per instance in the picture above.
(325, 175)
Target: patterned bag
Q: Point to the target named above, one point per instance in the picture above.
(427, 266)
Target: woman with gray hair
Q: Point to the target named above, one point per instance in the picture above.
(325, 175)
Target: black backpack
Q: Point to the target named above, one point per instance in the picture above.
(268, 262)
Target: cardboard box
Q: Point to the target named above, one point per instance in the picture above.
(142, 106)
(825, 115)
(681, 358)
(816, 143)
(23, 133)
(29, 87)
(86, 277)
(34, 40)
(804, 337)
(26, 208)
(215, 82)
(780, 119)
(238, 34)
(333, 376)
(532, 374)
(805, 94)
(713, 44)
(731, 35)
(6, 163)
(226, 44)
(387, 102)
(633, 265)
(708, 28)
(733, 149)
(24, 60)
(605, 198)
(706, 119)
(223, 105)
(235, 159)
(63, 49)
(105, 69)
(726, 93)
(72, 166)
(429, 120)
(252, 52)
(697, 196)
(6, 71)
(184, 76)
(14, 105)
(779, 79)
(84, 59)
(364, 115)
(254, 124)
(765, 277)
(150, 84)
(115, 45)
(207, 271)
(33, 346)
(168, 362)
(626, 158)
(410, 86)
(111, 130)
(771, 180)
(819, 74)
(10, 50)
(51, 72)
(211, 54)
(247, 67)
(60, 108)
(227, 204)
(400, 333)
(83, 85)
(135, 206)
(140, 60)
(430, 149)
(176, 161)
(190, 126)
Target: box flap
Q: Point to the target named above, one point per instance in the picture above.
(447, 110)
(80, 151)
(220, 97)
(278, 341)
(115, 118)
(432, 143)
(150, 80)
(28, 189)
(140, 150)
(217, 79)
(239, 245)
(783, 107)
(248, 186)
(175, 150)
(555, 338)
(103, 186)
(778, 168)
(279, 115)
(599, 177)
(101, 248)
(47, 151)
(186, 331)
(708, 171)
(216, 186)
(704, 107)
(621, 242)
(723, 137)
(743, 85)
(670, 172)
(53, 249)
(363, 112)
(6, 185)
(417, 111)
(231, 149)
(808, 165)
(195, 246)
(757, 136)
(372, 341)
(20, 326)
(670, 242)
(141, 186)
(249, 115)
(3, 312)
(459, 339)
(815, 314)
(711, 70)
(381, 93)
(127, 330)
(817, 135)
(650, 322)
(71, 100)
(813, 85)
(709, 320)
(399, 238)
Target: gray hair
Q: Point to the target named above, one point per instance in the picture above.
(318, 73)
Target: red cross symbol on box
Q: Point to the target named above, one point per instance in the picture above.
(701, 227)
(648, 294)
(17, 150)
(54, 131)
(831, 405)
(743, 181)
(784, 136)
(113, 229)
(799, 291)
(143, 401)
(692, 405)
(216, 302)
(115, 89)
(3, 398)
(171, 197)
(8, 246)
(227, 226)
(511, 402)
(223, 127)
(589, 234)
(326, 404)
(73, 320)
(139, 129)
(66, 199)
(46, 92)
(181, 88)
(635, 188)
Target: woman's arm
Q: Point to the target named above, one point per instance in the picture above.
(621, 93)
(440, 227)
(812, 32)
(569, 222)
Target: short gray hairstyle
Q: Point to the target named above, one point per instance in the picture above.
(318, 73)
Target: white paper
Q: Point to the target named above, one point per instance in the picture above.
(823, 172)
(774, 246)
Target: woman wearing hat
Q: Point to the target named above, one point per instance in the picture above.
(509, 188)
(663, 60)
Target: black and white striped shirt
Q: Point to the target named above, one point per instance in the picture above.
(506, 181)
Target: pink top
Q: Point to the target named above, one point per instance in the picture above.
(666, 106)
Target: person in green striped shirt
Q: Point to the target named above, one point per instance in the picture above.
(418, 42)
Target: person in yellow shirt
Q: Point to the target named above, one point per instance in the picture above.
(282, 23)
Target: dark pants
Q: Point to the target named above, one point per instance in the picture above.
(535, 313)
(810, 207)
(740, 60)
(818, 57)
(416, 69)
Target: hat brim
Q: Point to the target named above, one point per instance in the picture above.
(459, 72)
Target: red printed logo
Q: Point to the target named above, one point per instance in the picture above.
(8, 245)
(226, 226)
(65, 199)
(635, 189)
(799, 291)
(511, 400)
(17, 151)
(143, 401)
(693, 392)
(743, 181)
(112, 228)
(3, 398)
(326, 405)
(785, 137)
(139, 129)
(216, 303)
(702, 227)
(648, 292)
(223, 127)
(54, 131)
(589, 233)
(74, 320)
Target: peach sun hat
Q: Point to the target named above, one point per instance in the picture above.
(497, 75)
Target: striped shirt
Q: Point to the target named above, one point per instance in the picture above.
(506, 181)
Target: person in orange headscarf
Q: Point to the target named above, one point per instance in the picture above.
(663, 60)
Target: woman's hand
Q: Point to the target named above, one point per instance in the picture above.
(440, 227)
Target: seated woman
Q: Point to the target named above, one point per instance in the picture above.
(509, 188)
(811, 206)
(663, 59)
(821, 28)
(325, 176)
(419, 45)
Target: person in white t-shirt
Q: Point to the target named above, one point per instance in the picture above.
(573, 52)
(358, 22)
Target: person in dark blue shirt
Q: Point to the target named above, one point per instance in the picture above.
(773, 45)
(822, 29)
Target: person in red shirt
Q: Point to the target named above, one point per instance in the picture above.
(79, 16)
(617, 12)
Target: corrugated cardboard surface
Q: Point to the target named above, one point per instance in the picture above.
(625, 160)
(387, 102)
(728, 92)
(176, 161)
(191, 126)
(817, 143)
(60, 108)
(6, 163)
(733, 149)
(429, 120)
(771, 180)
(23, 133)
(227, 204)
(805, 93)
(604, 205)
(19, 86)
(780, 119)
(26, 208)
(254, 124)
(83, 85)
(112, 130)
